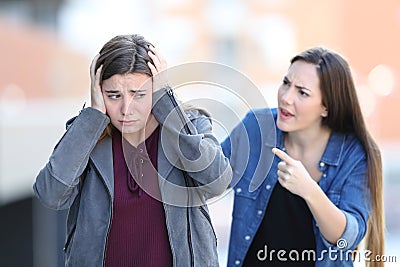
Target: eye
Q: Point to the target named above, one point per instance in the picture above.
(113, 96)
(285, 81)
(303, 93)
(140, 95)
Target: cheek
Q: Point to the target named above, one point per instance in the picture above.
(111, 106)
(144, 106)
(279, 95)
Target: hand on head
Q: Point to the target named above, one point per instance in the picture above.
(96, 95)
(158, 68)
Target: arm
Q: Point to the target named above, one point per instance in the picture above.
(329, 218)
(57, 183)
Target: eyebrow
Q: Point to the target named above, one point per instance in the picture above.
(111, 91)
(297, 86)
(130, 90)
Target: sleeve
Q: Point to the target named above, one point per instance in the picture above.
(188, 142)
(354, 201)
(57, 184)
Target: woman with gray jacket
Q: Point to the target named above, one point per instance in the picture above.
(135, 169)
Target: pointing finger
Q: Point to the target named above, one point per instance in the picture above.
(283, 156)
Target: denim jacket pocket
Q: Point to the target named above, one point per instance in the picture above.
(243, 200)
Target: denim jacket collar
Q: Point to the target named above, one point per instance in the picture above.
(334, 149)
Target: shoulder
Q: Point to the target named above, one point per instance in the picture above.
(259, 120)
(344, 148)
(199, 117)
(353, 145)
(261, 114)
(257, 127)
(194, 112)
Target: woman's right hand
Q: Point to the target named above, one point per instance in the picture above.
(96, 95)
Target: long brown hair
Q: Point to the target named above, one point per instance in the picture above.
(123, 54)
(344, 115)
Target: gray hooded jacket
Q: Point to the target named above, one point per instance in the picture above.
(79, 177)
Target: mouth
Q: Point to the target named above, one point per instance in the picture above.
(285, 114)
(128, 122)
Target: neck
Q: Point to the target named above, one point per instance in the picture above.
(304, 141)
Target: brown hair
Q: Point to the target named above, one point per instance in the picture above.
(123, 54)
(344, 115)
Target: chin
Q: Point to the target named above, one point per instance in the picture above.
(283, 126)
(131, 130)
(128, 131)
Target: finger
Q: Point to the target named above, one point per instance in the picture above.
(152, 68)
(93, 66)
(154, 58)
(283, 175)
(282, 182)
(283, 156)
(160, 61)
(156, 53)
(97, 77)
(282, 165)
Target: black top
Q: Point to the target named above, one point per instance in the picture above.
(287, 226)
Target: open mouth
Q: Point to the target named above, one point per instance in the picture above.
(285, 113)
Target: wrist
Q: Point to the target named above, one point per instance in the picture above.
(312, 192)
(100, 108)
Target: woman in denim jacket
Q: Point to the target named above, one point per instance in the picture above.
(309, 190)
(118, 168)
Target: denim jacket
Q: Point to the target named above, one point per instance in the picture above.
(344, 181)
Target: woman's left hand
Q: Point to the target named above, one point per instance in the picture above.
(158, 68)
(293, 176)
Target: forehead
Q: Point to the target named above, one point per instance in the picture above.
(303, 72)
(130, 80)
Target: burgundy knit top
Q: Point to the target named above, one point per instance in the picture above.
(138, 234)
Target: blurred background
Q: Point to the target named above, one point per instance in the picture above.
(46, 47)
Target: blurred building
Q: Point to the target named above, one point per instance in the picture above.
(46, 47)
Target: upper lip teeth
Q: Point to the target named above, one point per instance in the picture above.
(286, 111)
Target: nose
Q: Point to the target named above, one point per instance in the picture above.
(287, 95)
(126, 105)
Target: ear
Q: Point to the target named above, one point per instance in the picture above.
(324, 112)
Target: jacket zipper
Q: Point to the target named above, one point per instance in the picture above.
(189, 231)
(170, 93)
(173, 100)
(69, 238)
(189, 234)
(205, 213)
